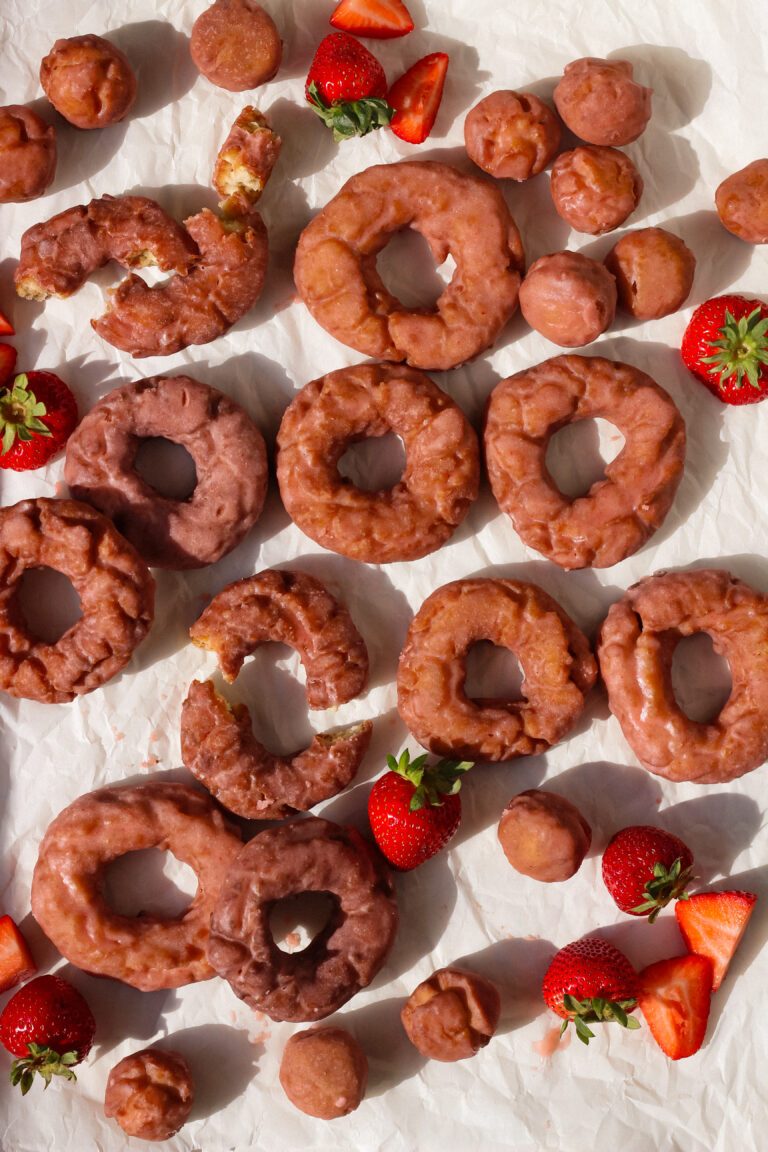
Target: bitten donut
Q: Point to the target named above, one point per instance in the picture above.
(620, 512)
(742, 203)
(654, 272)
(324, 1072)
(217, 742)
(116, 591)
(451, 1015)
(89, 81)
(568, 298)
(308, 855)
(442, 467)
(595, 189)
(230, 463)
(235, 44)
(27, 154)
(555, 656)
(244, 162)
(636, 645)
(460, 215)
(511, 135)
(68, 899)
(601, 102)
(150, 1093)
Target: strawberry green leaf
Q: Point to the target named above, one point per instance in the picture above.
(348, 118)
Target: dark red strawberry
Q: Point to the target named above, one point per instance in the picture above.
(726, 347)
(7, 363)
(713, 923)
(379, 19)
(49, 1026)
(37, 415)
(591, 982)
(644, 868)
(416, 98)
(674, 997)
(346, 87)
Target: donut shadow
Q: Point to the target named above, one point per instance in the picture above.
(681, 83)
(516, 966)
(303, 152)
(275, 697)
(487, 789)
(302, 25)
(122, 1012)
(80, 154)
(223, 1062)
(379, 1031)
(673, 158)
(179, 200)
(542, 228)
(159, 55)
(721, 258)
(600, 788)
(482, 512)
(750, 568)
(175, 612)
(426, 898)
(21, 314)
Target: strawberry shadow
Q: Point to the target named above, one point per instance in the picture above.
(223, 1062)
(159, 55)
(391, 1056)
(426, 898)
(601, 788)
(488, 788)
(516, 966)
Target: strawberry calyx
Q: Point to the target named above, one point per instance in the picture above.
(667, 884)
(740, 351)
(20, 413)
(44, 1062)
(431, 782)
(348, 118)
(595, 1010)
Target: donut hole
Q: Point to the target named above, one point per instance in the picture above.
(374, 464)
(167, 467)
(408, 270)
(48, 602)
(579, 453)
(295, 921)
(493, 673)
(149, 882)
(701, 678)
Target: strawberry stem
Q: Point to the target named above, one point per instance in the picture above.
(595, 1009)
(741, 350)
(431, 782)
(350, 118)
(20, 413)
(46, 1063)
(667, 884)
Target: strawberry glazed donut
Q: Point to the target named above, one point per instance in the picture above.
(442, 465)
(116, 590)
(230, 464)
(620, 512)
(308, 855)
(217, 742)
(555, 656)
(458, 215)
(27, 154)
(635, 648)
(68, 901)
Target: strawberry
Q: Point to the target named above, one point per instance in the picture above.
(379, 19)
(49, 1026)
(590, 982)
(6, 328)
(416, 98)
(16, 963)
(644, 868)
(712, 924)
(346, 87)
(674, 997)
(7, 363)
(726, 347)
(415, 810)
(37, 416)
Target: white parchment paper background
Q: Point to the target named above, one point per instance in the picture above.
(708, 69)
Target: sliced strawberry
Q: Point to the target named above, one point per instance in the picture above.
(16, 963)
(7, 363)
(379, 19)
(6, 328)
(674, 997)
(713, 923)
(416, 98)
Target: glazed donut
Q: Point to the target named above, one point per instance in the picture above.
(460, 215)
(244, 162)
(308, 855)
(68, 901)
(595, 189)
(230, 462)
(742, 202)
(89, 81)
(116, 591)
(653, 270)
(620, 512)
(512, 135)
(150, 1093)
(635, 648)
(601, 103)
(555, 656)
(421, 511)
(235, 44)
(217, 742)
(27, 154)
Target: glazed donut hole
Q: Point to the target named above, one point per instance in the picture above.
(568, 298)
(236, 45)
(150, 1093)
(324, 1072)
(89, 81)
(742, 202)
(654, 272)
(27, 154)
(600, 101)
(595, 189)
(48, 602)
(512, 135)
(544, 836)
(451, 1015)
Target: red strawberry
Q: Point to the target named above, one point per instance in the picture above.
(415, 810)
(37, 416)
(726, 347)
(644, 868)
(379, 19)
(16, 963)
(712, 924)
(674, 997)
(346, 85)
(49, 1026)
(7, 363)
(6, 328)
(590, 982)
(416, 98)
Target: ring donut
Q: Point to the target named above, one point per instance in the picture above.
(116, 591)
(457, 214)
(217, 742)
(620, 512)
(230, 463)
(68, 900)
(308, 855)
(555, 657)
(442, 468)
(635, 648)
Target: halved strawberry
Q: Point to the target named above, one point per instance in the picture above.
(674, 997)
(379, 19)
(16, 963)
(7, 363)
(416, 98)
(6, 328)
(713, 923)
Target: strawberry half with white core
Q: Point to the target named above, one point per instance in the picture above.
(725, 346)
(7, 363)
(590, 982)
(416, 98)
(378, 19)
(346, 87)
(713, 923)
(674, 997)
(646, 867)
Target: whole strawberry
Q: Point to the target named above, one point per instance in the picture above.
(644, 868)
(49, 1026)
(591, 982)
(37, 415)
(346, 87)
(414, 810)
(726, 347)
